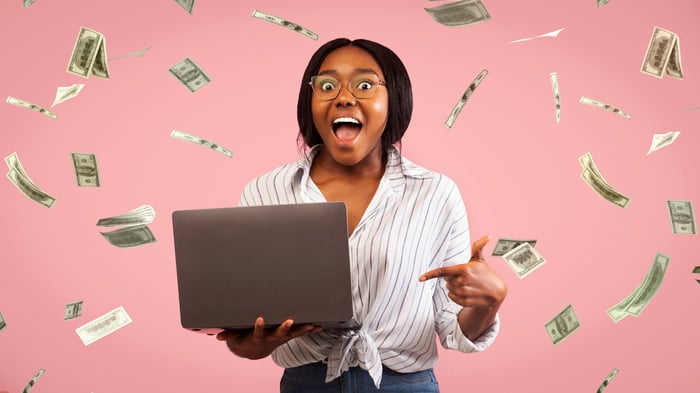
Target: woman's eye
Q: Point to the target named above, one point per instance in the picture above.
(327, 86)
(365, 85)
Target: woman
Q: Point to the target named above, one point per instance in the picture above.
(406, 226)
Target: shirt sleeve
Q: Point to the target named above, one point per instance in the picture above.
(458, 250)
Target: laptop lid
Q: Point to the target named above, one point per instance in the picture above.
(276, 261)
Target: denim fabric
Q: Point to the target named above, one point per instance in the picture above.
(311, 378)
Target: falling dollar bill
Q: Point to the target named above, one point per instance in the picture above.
(662, 140)
(190, 74)
(459, 13)
(143, 214)
(73, 310)
(32, 381)
(138, 53)
(103, 325)
(555, 90)
(21, 180)
(563, 325)
(64, 94)
(285, 23)
(85, 167)
(595, 180)
(3, 324)
(29, 105)
(602, 3)
(131, 236)
(463, 100)
(696, 270)
(550, 34)
(188, 5)
(505, 245)
(601, 105)
(523, 259)
(607, 380)
(663, 55)
(682, 217)
(27, 3)
(12, 162)
(638, 300)
(199, 141)
(89, 55)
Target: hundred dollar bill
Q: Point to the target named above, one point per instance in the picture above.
(88, 47)
(29, 105)
(696, 270)
(505, 245)
(143, 214)
(563, 325)
(32, 381)
(682, 217)
(190, 74)
(638, 300)
(602, 3)
(463, 100)
(550, 34)
(12, 162)
(131, 236)
(657, 59)
(586, 162)
(603, 189)
(555, 90)
(602, 105)
(459, 13)
(188, 5)
(662, 140)
(103, 325)
(85, 166)
(29, 189)
(607, 380)
(199, 141)
(523, 259)
(27, 3)
(64, 94)
(138, 53)
(3, 324)
(285, 23)
(73, 310)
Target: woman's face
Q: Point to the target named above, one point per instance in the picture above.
(350, 127)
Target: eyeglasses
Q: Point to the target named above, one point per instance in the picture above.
(327, 88)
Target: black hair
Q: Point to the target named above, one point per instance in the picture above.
(398, 85)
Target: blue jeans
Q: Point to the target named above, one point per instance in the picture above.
(310, 378)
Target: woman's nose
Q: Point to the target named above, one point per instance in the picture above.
(345, 97)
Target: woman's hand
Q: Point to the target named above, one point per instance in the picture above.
(260, 342)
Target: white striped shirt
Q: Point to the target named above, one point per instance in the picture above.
(415, 222)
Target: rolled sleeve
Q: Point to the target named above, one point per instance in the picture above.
(458, 341)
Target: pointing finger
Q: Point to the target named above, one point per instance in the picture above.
(447, 271)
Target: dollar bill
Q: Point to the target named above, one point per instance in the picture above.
(563, 325)
(85, 167)
(64, 94)
(607, 380)
(188, 5)
(459, 13)
(73, 310)
(32, 381)
(696, 270)
(199, 141)
(662, 140)
(463, 100)
(587, 162)
(103, 325)
(555, 90)
(638, 300)
(682, 217)
(190, 74)
(12, 161)
(138, 53)
(29, 105)
(550, 34)
(663, 55)
(523, 259)
(27, 3)
(143, 214)
(285, 23)
(89, 55)
(601, 105)
(131, 236)
(602, 3)
(504, 245)
(29, 189)
(3, 324)
(603, 189)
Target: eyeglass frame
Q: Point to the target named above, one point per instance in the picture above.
(379, 82)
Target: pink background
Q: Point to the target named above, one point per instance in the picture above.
(516, 167)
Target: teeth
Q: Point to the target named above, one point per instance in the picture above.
(345, 120)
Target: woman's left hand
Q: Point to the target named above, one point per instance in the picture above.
(472, 284)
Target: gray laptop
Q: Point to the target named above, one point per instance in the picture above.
(277, 261)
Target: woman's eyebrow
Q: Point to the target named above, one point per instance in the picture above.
(356, 71)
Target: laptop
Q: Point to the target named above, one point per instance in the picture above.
(276, 261)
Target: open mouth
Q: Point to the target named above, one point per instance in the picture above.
(346, 128)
